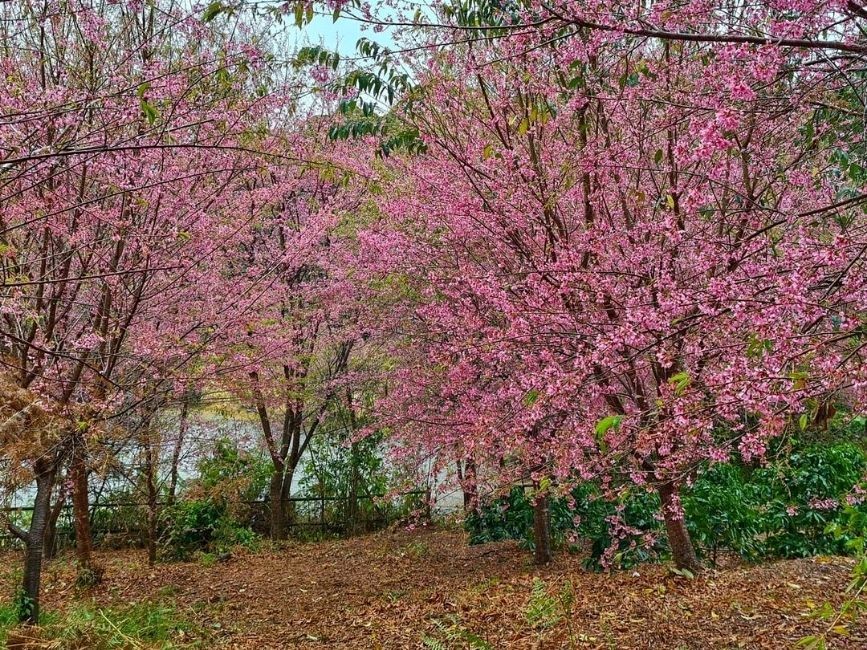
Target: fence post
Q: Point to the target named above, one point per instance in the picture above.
(322, 512)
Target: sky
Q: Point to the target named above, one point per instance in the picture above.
(342, 35)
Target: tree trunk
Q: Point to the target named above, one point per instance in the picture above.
(176, 453)
(150, 468)
(352, 510)
(81, 510)
(288, 504)
(278, 505)
(34, 540)
(470, 489)
(542, 529)
(428, 502)
(50, 541)
(682, 550)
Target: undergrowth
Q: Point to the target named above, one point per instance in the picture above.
(139, 626)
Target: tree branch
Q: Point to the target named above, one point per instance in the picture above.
(801, 43)
(18, 532)
(10, 162)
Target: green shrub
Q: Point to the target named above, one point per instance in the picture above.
(788, 508)
(338, 468)
(802, 497)
(511, 517)
(231, 474)
(117, 526)
(187, 527)
(208, 519)
(624, 533)
(200, 525)
(721, 513)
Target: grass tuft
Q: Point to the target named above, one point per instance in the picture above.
(141, 626)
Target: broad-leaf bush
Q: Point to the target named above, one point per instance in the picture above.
(200, 525)
(803, 494)
(799, 504)
(209, 517)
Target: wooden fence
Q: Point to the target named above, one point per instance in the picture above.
(121, 525)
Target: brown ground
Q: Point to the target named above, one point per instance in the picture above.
(405, 589)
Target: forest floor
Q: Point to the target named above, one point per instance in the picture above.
(427, 588)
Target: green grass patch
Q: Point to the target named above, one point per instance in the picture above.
(8, 620)
(142, 625)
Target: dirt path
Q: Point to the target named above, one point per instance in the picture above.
(429, 589)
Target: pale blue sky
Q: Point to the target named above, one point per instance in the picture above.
(341, 35)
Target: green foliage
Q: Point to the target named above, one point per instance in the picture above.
(512, 518)
(789, 508)
(8, 620)
(208, 519)
(213, 10)
(188, 526)
(350, 477)
(852, 529)
(335, 467)
(381, 84)
(200, 526)
(508, 517)
(722, 514)
(316, 55)
(22, 605)
(786, 493)
(451, 633)
(362, 121)
(602, 427)
(542, 610)
(116, 526)
(771, 512)
(10, 615)
(150, 111)
(232, 473)
(546, 609)
(637, 510)
(416, 550)
(490, 18)
(207, 559)
(143, 625)
(147, 624)
(385, 84)
(812, 643)
(433, 643)
(88, 576)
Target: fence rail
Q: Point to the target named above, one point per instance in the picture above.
(123, 524)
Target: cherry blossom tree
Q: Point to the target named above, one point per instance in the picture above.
(637, 251)
(130, 135)
(285, 354)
